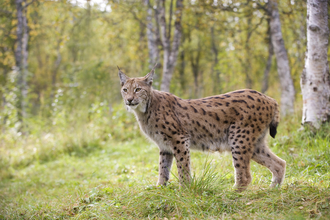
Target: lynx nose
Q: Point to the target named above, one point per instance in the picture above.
(130, 99)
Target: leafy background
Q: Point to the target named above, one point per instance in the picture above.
(79, 154)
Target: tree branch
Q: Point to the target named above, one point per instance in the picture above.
(27, 4)
(5, 12)
(253, 29)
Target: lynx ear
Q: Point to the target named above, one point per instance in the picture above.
(122, 76)
(149, 77)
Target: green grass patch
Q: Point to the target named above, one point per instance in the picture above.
(114, 178)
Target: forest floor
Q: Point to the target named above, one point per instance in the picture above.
(117, 181)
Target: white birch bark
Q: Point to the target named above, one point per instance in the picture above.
(151, 37)
(283, 68)
(315, 79)
(170, 52)
(19, 33)
(21, 54)
(25, 53)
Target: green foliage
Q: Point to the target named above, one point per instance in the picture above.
(76, 49)
(10, 93)
(64, 134)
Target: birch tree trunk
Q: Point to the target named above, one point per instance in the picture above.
(194, 61)
(55, 69)
(170, 51)
(315, 79)
(264, 87)
(182, 70)
(21, 55)
(215, 70)
(247, 60)
(265, 79)
(283, 68)
(151, 37)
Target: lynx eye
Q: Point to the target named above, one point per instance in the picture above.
(125, 90)
(137, 89)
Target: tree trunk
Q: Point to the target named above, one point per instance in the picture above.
(152, 44)
(4, 101)
(215, 70)
(247, 63)
(194, 61)
(265, 79)
(55, 69)
(264, 87)
(315, 79)
(19, 33)
(170, 53)
(21, 55)
(181, 71)
(283, 68)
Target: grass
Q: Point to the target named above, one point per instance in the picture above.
(87, 174)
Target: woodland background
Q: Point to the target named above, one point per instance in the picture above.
(74, 48)
(72, 150)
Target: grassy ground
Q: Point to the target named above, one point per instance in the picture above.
(95, 177)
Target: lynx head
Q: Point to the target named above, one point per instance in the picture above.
(136, 91)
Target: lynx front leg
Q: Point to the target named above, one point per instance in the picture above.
(241, 153)
(182, 157)
(165, 164)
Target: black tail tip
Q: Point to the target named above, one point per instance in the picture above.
(272, 130)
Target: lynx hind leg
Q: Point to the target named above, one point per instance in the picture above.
(241, 154)
(264, 156)
(165, 164)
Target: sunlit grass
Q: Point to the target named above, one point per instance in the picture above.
(103, 176)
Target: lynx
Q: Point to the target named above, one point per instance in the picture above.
(236, 121)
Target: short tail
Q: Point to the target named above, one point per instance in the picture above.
(274, 123)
